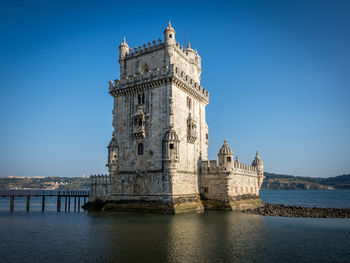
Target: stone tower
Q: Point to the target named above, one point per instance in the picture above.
(160, 133)
(157, 157)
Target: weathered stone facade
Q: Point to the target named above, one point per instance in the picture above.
(157, 157)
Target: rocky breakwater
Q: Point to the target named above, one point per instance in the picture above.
(298, 211)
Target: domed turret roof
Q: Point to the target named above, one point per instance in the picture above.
(169, 27)
(237, 160)
(171, 136)
(123, 44)
(189, 49)
(257, 160)
(225, 149)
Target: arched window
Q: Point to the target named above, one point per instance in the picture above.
(228, 158)
(140, 122)
(140, 149)
(143, 98)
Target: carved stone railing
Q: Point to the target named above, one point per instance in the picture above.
(149, 78)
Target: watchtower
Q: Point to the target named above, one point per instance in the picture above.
(160, 133)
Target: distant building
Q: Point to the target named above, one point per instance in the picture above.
(157, 157)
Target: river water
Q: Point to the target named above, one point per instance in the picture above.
(213, 236)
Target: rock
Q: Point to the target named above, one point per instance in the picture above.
(298, 211)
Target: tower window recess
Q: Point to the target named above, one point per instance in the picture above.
(170, 36)
(189, 102)
(139, 120)
(228, 158)
(206, 136)
(141, 99)
(191, 129)
(140, 149)
(171, 146)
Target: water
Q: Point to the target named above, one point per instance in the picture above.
(214, 236)
(309, 198)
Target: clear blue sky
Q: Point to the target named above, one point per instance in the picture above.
(278, 73)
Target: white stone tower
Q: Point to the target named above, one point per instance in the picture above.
(160, 132)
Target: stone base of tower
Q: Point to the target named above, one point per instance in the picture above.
(238, 203)
(187, 203)
(150, 204)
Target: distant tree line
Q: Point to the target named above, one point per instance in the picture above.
(271, 181)
(290, 182)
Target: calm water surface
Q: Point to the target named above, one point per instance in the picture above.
(214, 236)
(310, 198)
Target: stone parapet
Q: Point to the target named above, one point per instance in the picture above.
(190, 55)
(210, 167)
(144, 49)
(156, 77)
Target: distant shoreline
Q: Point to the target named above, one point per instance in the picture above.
(271, 181)
(274, 181)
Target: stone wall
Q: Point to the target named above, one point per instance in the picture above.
(100, 186)
(191, 153)
(222, 189)
(156, 117)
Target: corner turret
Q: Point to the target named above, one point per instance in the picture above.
(258, 163)
(170, 149)
(190, 52)
(225, 157)
(113, 152)
(169, 35)
(123, 50)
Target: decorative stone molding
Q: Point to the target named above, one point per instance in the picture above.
(155, 78)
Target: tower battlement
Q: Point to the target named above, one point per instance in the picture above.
(151, 78)
(188, 53)
(208, 167)
(144, 49)
(158, 54)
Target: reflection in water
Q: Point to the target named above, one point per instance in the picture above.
(214, 236)
(207, 237)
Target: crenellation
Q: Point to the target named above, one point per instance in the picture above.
(155, 74)
(144, 49)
